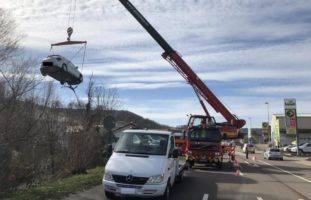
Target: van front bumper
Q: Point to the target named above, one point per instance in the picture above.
(146, 190)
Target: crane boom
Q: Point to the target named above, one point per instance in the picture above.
(183, 68)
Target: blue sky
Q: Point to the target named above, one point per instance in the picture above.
(247, 52)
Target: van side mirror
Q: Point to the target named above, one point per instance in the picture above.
(175, 153)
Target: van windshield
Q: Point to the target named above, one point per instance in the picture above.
(142, 143)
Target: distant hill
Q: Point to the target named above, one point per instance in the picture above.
(123, 117)
(127, 116)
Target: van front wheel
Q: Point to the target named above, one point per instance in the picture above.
(110, 195)
(167, 193)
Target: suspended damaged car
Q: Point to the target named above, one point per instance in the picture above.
(61, 69)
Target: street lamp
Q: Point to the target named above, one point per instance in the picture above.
(267, 103)
(250, 129)
(268, 111)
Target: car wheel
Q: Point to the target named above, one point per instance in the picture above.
(300, 152)
(109, 195)
(80, 78)
(167, 193)
(64, 67)
(281, 159)
(269, 158)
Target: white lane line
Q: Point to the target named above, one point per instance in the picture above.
(205, 197)
(251, 164)
(259, 198)
(300, 199)
(286, 171)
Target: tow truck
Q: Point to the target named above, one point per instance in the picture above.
(214, 132)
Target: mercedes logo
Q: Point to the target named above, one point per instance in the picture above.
(129, 178)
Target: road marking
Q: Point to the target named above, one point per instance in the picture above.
(286, 172)
(205, 197)
(259, 198)
(251, 164)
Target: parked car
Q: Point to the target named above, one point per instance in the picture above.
(293, 149)
(61, 69)
(251, 148)
(143, 167)
(287, 148)
(303, 148)
(273, 153)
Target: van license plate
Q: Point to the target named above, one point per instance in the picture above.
(127, 191)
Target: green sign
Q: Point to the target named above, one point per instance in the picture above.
(290, 103)
(290, 116)
(265, 127)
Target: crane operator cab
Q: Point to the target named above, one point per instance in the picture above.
(201, 121)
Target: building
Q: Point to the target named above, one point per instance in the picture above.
(278, 129)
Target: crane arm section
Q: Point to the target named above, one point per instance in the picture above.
(183, 68)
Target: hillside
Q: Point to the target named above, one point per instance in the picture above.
(127, 116)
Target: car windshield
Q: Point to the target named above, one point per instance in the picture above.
(142, 143)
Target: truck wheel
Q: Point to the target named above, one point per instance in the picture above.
(167, 193)
(219, 165)
(110, 195)
(191, 163)
(180, 177)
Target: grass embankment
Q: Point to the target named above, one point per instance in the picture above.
(60, 188)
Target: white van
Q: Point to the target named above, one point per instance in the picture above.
(144, 163)
(250, 147)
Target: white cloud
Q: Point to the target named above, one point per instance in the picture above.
(223, 41)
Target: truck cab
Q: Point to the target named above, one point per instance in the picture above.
(203, 141)
(144, 163)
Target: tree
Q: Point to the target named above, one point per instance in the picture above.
(8, 38)
(85, 142)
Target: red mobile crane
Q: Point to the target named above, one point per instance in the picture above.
(183, 68)
(229, 129)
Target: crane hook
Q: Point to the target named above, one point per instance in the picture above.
(69, 32)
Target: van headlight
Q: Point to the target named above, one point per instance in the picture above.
(108, 176)
(156, 179)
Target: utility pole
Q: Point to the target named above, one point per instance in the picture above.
(250, 129)
(269, 132)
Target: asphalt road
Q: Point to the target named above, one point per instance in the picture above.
(259, 180)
